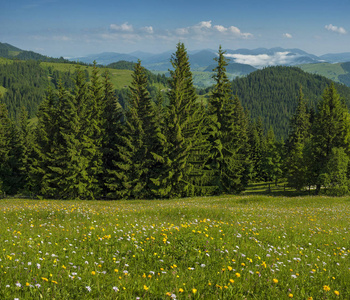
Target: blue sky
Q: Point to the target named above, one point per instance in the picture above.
(77, 28)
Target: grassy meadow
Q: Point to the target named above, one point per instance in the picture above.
(229, 247)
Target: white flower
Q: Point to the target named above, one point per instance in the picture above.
(115, 289)
(88, 288)
(202, 265)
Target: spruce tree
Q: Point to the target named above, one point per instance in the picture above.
(331, 129)
(296, 162)
(218, 100)
(184, 131)
(45, 143)
(111, 130)
(141, 144)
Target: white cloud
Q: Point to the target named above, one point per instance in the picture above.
(261, 60)
(125, 27)
(232, 31)
(337, 29)
(147, 29)
(287, 35)
(204, 24)
(220, 28)
(182, 31)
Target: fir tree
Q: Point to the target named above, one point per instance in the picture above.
(184, 131)
(141, 143)
(111, 130)
(296, 162)
(331, 129)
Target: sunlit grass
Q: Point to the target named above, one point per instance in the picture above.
(243, 247)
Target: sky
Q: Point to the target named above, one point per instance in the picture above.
(78, 28)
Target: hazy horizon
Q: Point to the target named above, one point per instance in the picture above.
(79, 28)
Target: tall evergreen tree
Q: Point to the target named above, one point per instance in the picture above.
(296, 162)
(26, 140)
(45, 137)
(184, 130)
(331, 129)
(111, 130)
(141, 143)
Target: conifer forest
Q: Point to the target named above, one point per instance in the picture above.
(90, 141)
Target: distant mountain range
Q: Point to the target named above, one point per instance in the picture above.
(241, 61)
(201, 59)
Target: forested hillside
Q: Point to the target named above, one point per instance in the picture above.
(25, 83)
(272, 93)
(91, 142)
(9, 51)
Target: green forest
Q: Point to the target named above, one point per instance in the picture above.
(159, 139)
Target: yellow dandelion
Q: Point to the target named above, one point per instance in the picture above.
(181, 290)
(93, 273)
(229, 268)
(232, 281)
(326, 288)
(337, 293)
(194, 291)
(145, 287)
(275, 280)
(238, 275)
(290, 295)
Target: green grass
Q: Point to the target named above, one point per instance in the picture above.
(331, 71)
(119, 78)
(228, 247)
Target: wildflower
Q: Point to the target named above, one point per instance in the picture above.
(181, 290)
(229, 268)
(336, 292)
(194, 291)
(290, 295)
(115, 289)
(275, 280)
(145, 288)
(238, 275)
(88, 288)
(326, 288)
(93, 273)
(232, 281)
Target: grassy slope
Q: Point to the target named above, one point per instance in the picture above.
(119, 78)
(226, 247)
(331, 71)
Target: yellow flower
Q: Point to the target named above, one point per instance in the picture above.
(336, 292)
(181, 290)
(310, 298)
(232, 281)
(229, 268)
(145, 288)
(290, 295)
(275, 280)
(194, 291)
(93, 272)
(168, 294)
(326, 288)
(27, 284)
(238, 275)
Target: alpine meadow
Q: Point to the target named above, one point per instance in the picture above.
(136, 162)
